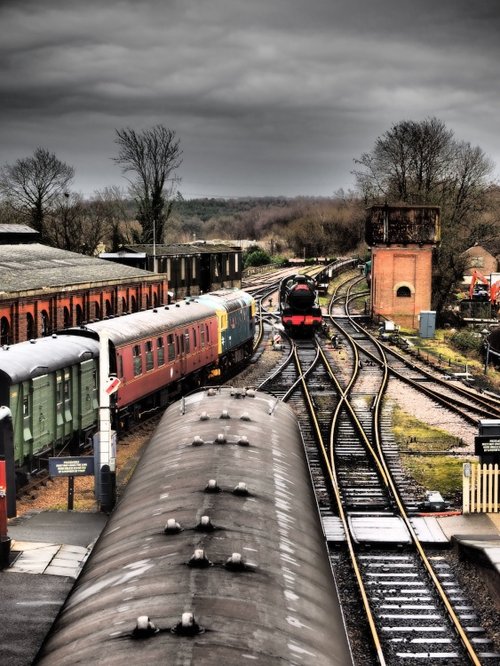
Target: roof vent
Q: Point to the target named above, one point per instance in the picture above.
(250, 393)
(211, 391)
(204, 416)
(155, 310)
(54, 336)
(166, 307)
(32, 341)
(172, 527)
(187, 626)
(235, 563)
(205, 525)
(225, 414)
(144, 627)
(197, 441)
(199, 560)
(220, 439)
(177, 305)
(243, 441)
(241, 489)
(212, 487)
(245, 416)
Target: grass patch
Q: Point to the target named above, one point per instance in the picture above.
(442, 473)
(414, 435)
(439, 472)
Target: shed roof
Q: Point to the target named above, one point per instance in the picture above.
(16, 229)
(35, 266)
(181, 248)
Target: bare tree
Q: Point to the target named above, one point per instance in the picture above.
(422, 163)
(153, 156)
(32, 186)
(110, 205)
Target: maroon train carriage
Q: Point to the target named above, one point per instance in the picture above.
(159, 352)
(215, 554)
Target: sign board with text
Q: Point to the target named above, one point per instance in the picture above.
(71, 466)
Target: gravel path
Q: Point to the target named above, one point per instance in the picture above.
(424, 409)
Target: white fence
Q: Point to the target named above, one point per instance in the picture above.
(480, 488)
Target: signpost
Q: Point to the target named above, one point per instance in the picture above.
(71, 466)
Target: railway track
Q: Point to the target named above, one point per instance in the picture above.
(413, 607)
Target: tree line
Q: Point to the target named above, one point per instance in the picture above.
(413, 163)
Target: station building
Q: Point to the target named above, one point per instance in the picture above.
(45, 289)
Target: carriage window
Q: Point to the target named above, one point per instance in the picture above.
(59, 392)
(194, 338)
(67, 391)
(149, 355)
(403, 292)
(137, 360)
(186, 341)
(171, 347)
(26, 407)
(202, 337)
(207, 332)
(160, 351)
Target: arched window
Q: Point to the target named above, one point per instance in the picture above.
(148, 302)
(46, 326)
(155, 299)
(4, 331)
(133, 304)
(79, 315)
(67, 318)
(124, 305)
(30, 326)
(97, 311)
(109, 308)
(403, 292)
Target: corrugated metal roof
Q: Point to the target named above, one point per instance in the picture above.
(35, 266)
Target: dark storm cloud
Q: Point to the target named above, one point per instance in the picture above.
(267, 97)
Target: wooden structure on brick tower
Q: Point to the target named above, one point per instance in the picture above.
(402, 239)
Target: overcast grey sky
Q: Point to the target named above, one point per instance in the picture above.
(267, 97)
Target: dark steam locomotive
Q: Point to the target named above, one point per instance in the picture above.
(299, 307)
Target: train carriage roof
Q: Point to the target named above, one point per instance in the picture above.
(26, 360)
(149, 323)
(229, 299)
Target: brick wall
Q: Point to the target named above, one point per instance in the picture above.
(401, 283)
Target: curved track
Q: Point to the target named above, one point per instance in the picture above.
(413, 608)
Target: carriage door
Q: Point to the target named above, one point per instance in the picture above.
(181, 353)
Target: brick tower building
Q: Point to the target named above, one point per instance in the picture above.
(402, 239)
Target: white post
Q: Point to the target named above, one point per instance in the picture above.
(106, 469)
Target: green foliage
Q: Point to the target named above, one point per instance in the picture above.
(279, 261)
(255, 256)
(467, 341)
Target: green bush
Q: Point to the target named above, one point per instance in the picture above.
(467, 341)
(255, 256)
